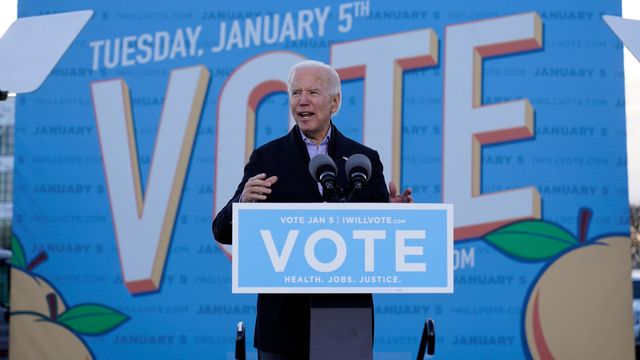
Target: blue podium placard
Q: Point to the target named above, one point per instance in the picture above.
(342, 248)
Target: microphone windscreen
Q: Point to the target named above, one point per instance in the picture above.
(359, 162)
(319, 161)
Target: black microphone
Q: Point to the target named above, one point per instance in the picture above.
(324, 171)
(358, 168)
(241, 353)
(427, 340)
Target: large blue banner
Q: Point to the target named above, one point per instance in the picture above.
(512, 111)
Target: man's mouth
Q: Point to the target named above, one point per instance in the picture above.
(305, 114)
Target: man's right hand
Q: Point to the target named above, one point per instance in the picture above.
(257, 188)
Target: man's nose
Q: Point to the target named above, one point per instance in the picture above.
(304, 98)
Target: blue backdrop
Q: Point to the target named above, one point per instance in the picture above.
(576, 158)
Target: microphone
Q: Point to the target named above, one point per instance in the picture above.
(241, 353)
(324, 171)
(358, 168)
(427, 340)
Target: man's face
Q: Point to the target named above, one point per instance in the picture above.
(310, 101)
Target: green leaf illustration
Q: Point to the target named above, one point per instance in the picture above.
(91, 319)
(17, 253)
(531, 240)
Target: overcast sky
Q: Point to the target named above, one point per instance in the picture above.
(630, 10)
(8, 11)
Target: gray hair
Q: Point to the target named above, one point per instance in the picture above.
(332, 76)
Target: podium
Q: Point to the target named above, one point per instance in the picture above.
(341, 327)
(340, 253)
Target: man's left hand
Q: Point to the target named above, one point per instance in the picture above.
(394, 197)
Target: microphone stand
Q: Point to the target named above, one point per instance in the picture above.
(331, 192)
(335, 194)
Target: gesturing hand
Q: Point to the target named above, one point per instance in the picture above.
(394, 197)
(257, 188)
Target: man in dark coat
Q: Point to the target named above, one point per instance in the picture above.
(278, 172)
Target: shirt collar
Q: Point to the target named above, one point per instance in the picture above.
(308, 141)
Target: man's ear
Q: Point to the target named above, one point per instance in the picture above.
(336, 101)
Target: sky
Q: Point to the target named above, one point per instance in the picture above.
(630, 10)
(8, 13)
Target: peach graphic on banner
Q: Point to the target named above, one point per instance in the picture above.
(580, 306)
(33, 336)
(29, 291)
(42, 324)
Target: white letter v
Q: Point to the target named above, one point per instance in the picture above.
(279, 261)
(144, 222)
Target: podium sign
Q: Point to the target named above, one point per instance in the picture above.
(342, 248)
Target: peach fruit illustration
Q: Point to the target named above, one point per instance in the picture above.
(33, 335)
(41, 324)
(580, 307)
(576, 309)
(29, 291)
